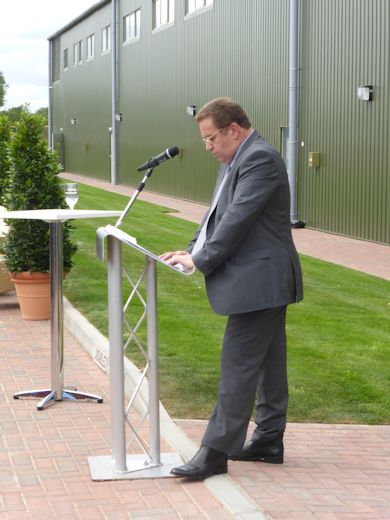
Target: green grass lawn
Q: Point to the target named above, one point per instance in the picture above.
(338, 337)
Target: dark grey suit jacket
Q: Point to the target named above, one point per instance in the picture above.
(249, 259)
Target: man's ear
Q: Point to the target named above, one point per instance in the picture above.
(235, 129)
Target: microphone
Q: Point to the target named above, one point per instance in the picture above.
(169, 153)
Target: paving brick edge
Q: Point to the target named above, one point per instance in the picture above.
(229, 493)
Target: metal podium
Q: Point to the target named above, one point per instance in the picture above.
(152, 463)
(55, 217)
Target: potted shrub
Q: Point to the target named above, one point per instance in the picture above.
(33, 184)
(5, 132)
(5, 278)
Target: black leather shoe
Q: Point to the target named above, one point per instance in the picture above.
(205, 463)
(271, 451)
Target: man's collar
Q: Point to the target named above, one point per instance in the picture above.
(239, 148)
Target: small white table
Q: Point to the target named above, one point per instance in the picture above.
(55, 217)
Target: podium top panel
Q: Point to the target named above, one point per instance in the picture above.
(120, 235)
(58, 215)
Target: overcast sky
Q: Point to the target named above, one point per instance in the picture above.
(24, 28)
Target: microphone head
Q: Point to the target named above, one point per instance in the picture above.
(172, 151)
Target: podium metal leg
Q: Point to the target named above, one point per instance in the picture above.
(57, 392)
(151, 464)
(115, 335)
(154, 411)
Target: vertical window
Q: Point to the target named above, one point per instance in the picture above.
(66, 59)
(193, 5)
(106, 39)
(56, 60)
(77, 53)
(132, 26)
(90, 47)
(163, 12)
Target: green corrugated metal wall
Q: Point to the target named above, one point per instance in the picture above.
(198, 58)
(195, 60)
(240, 49)
(345, 44)
(84, 93)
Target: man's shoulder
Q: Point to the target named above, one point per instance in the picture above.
(257, 147)
(260, 143)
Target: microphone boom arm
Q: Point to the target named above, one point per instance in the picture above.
(169, 153)
(138, 190)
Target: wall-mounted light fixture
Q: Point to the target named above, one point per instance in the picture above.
(73, 121)
(191, 110)
(365, 92)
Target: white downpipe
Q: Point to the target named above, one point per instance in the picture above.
(293, 108)
(114, 92)
(50, 109)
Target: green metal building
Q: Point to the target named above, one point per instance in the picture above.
(172, 55)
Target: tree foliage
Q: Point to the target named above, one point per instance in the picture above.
(5, 132)
(15, 113)
(3, 89)
(34, 184)
(43, 112)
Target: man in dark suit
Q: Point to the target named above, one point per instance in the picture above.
(245, 250)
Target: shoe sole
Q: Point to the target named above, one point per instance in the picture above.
(268, 460)
(216, 471)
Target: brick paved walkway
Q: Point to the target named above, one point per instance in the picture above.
(332, 472)
(44, 472)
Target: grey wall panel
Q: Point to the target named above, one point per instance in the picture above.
(241, 49)
(84, 93)
(344, 45)
(196, 59)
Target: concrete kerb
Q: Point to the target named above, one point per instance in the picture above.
(229, 493)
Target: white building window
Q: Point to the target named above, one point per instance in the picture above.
(90, 47)
(77, 53)
(163, 12)
(132, 26)
(106, 39)
(66, 59)
(194, 5)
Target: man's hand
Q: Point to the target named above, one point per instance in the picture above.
(178, 257)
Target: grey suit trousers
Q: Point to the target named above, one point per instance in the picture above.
(253, 359)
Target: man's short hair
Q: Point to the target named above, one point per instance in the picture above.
(223, 111)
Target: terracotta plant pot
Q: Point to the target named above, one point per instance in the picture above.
(33, 291)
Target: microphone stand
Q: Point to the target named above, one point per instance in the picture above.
(138, 190)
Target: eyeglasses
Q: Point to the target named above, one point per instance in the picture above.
(210, 138)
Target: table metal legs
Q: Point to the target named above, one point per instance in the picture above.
(57, 392)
